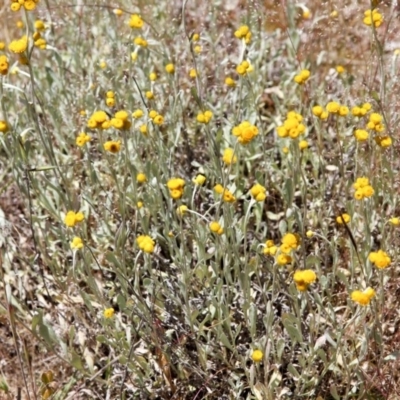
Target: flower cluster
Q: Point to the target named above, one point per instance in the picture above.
(243, 33)
(18, 46)
(304, 278)
(334, 107)
(157, 118)
(110, 98)
(182, 210)
(199, 180)
(136, 21)
(360, 111)
(204, 118)
(76, 243)
(72, 218)
(229, 156)
(258, 192)
(292, 126)
(29, 5)
(373, 17)
(343, 218)
(3, 65)
(363, 188)
(361, 135)
(302, 77)
(375, 123)
(145, 243)
(99, 119)
(216, 228)
(38, 41)
(244, 68)
(290, 242)
(112, 146)
(319, 112)
(227, 196)
(363, 298)
(270, 248)
(380, 259)
(139, 41)
(245, 132)
(176, 187)
(120, 120)
(82, 139)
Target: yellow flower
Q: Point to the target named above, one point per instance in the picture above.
(229, 156)
(363, 298)
(143, 129)
(216, 228)
(76, 243)
(363, 188)
(181, 210)
(112, 146)
(158, 119)
(139, 204)
(383, 141)
(304, 278)
(136, 21)
(153, 76)
(110, 101)
(258, 192)
(170, 68)
(82, 139)
(137, 114)
(245, 132)
(340, 69)
(333, 107)
(199, 180)
(197, 49)
(103, 65)
(361, 135)
(39, 25)
(108, 313)
(395, 221)
(344, 217)
(118, 12)
(193, 73)
(292, 126)
(380, 259)
(139, 41)
(302, 77)
(149, 95)
(176, 187)
(18, 46)
(292, 240)
(303, 144)
(257, 356)
(270, 248)
(204, 118)
(141, 177)
(309, 234)
(3, 126)
(373, 17)
(145, 243)
(243, 68)
(72, 218)
(195, 37)
(283, 259)
(230, 82)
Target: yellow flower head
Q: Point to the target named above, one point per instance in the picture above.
(18, 46)
(72, 218)
(199, 180)
(3, 126)
(380, 259)
(182, 210)
(176, 187)
(229, 156)
(136, 21)
(82, 139)
(363, 298)
(108, 313)
(302, 77)
(141, 177)
(257, 356)
(292, 240)
(76, 243)
(344, 217)
(245, 132)
(216, 228)
(170, 68)
(112, 146)
(145, 243)
(304, 278)
(258, 192)
(395, 221)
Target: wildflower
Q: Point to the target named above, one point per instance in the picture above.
(199, 180)
(170, 68)
(229, 156)
(380, 259)
(216, 228)
(139, 204)
(309, 234)
(103, 65)
(230, 82)
(41, 44)
(306, 14)
(304, 278)
(150, 95)
(285, 150)
(108, 313)
(292, 126)
(257, 356)
(143, 129)
(3, 126)
(2, 45)
(18, 46)
(197, 49)
(141, 177)
(292, 240)
(193, 73)
(176, 187)
(343, 111)
(363, 298)
(112, 146)
(283, 259)
(110, 101)
(145, 243)
(72, 218)
(195, 37)
(118, 12)
(97, 120)
(137, 114)
(361, 135)
(76, 243)
(227, 196)
(363, 188)
(344, 217)
(243, 68)
(270, 248)
(153, 76)
(376, 123)
(383, 141)
(244, 33)
(395, 221)
(373, 17)
(134, 55)
(340, 69)
(333, 107)
(302, 77)
(334, 14)
(181, 210)
(204, 118)
(136, 21)
(258, 192)
(139, 41)
(245, 132)
(303, 144)
(82, 139)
